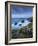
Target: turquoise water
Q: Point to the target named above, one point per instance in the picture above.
(19, 22)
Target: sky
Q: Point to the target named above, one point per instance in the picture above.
(18, 12)
(21, 11)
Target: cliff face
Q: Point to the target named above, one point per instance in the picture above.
(24, 32)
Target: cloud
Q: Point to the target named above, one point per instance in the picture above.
(25, 15)
(21, 11)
